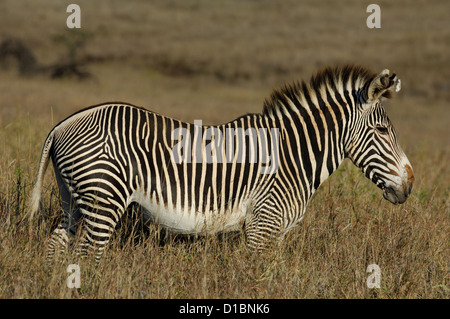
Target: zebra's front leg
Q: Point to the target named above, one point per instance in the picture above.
(262, 229)
(98, 226)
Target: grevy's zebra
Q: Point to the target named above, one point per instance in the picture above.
(111, 155)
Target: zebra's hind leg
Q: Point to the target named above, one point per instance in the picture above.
(99, 223)
(60, 238)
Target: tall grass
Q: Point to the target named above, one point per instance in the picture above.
(347, 228)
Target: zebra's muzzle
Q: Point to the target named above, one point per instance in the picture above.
(396, 196)
(398, 193)
(391, 195)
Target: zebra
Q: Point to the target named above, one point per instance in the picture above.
(109, 156)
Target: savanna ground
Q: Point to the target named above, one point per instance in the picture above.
(214, 61)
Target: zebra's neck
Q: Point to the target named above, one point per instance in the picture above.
(314, 128)
(314, 151)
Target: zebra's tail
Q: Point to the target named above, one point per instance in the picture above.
(35, 198)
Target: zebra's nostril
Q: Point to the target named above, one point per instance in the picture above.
(407, 191)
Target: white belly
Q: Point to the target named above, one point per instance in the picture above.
(186, 221)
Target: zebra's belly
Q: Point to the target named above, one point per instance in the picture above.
(185, 221)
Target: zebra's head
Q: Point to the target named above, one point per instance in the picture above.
(373, 142)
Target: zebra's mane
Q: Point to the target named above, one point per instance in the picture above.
(329, 77)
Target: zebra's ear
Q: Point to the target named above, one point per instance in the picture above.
(383, 85)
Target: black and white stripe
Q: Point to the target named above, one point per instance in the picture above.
(111, 155)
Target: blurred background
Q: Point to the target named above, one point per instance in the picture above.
(210, 60)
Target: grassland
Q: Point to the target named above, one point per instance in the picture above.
(215, 61)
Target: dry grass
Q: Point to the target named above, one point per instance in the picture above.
(214, 62)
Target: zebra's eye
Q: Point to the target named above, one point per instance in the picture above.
(381, 129)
